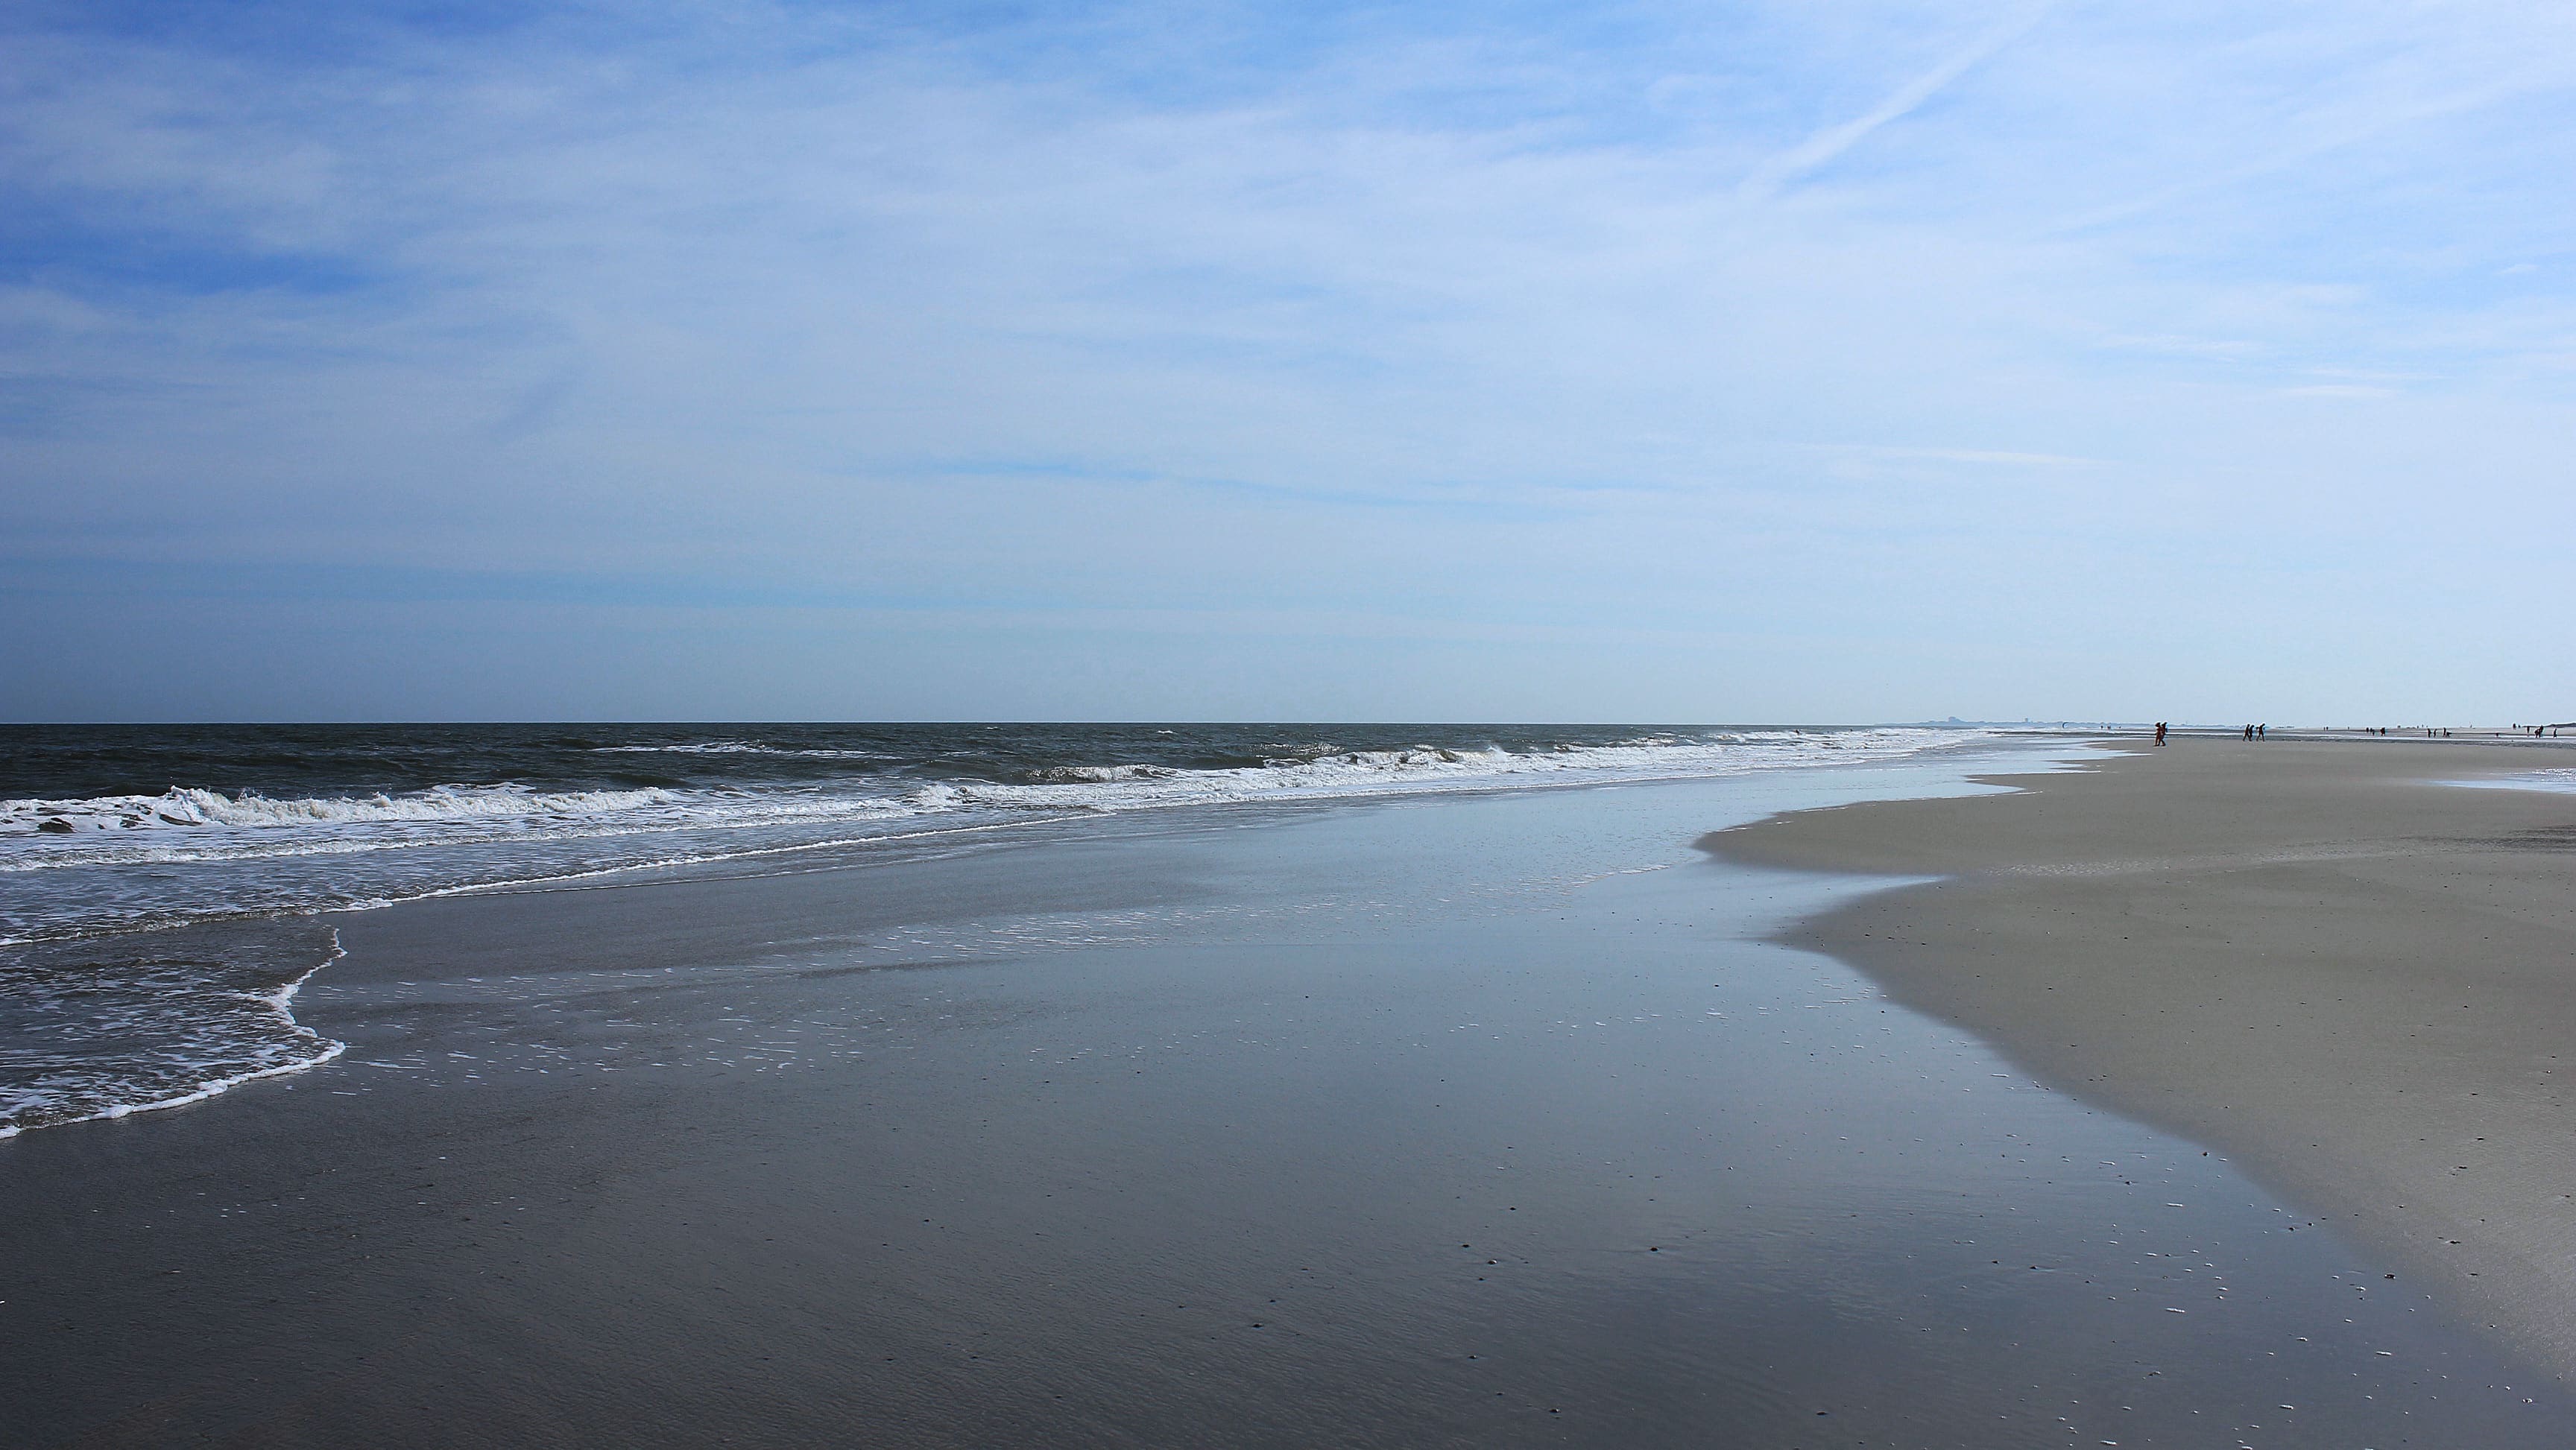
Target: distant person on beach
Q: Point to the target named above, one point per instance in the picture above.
(2160, 732)
(2262, 732)
(2249, 732)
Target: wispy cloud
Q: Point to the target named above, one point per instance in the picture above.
(1998, 457)
(2304, 139)
(1822, 147)
(2171, 344)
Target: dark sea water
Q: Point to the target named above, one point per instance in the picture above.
(159, 884)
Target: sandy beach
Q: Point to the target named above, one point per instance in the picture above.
(2353, 980)
(1489, 1120)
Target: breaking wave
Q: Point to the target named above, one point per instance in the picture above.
(188, 823)
(192, 807)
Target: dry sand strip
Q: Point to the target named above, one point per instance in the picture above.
(2358, 983)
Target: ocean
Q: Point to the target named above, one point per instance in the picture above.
(164, 890)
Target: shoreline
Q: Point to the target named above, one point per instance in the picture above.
(2345, 975)
(1480, 1122)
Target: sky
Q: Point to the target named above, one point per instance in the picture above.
(1746, 361)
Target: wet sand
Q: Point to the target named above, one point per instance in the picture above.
(2358, 983)
(1477, 1122)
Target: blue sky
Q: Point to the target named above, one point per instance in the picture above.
(1766, 361)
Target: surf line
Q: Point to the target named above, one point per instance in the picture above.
(279, 1001)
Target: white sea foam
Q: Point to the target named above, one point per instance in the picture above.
(740, 747)
(104, 1029)
(315, 1050)
(2560, 779)
(185, 807)
(1340, 773)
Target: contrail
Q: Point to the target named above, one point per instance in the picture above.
(1827, 144)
